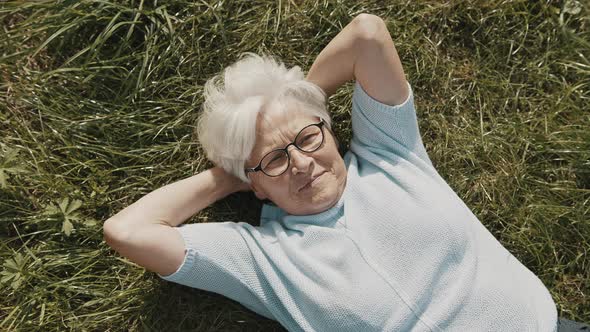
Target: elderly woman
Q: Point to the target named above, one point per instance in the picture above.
(372, 241)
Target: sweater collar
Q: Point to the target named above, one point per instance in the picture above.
(271, 212)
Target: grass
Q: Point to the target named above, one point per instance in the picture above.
(98, 104)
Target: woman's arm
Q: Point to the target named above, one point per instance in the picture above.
(363, 51)
(144, 231)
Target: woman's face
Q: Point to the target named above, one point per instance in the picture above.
(291, 190)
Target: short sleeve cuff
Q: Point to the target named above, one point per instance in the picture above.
(187, 263)
(366, 102)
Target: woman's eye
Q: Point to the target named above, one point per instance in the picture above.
(275, 160)
(306, 138)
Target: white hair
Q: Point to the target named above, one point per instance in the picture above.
(227, 126)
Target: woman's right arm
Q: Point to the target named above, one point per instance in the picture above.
(363, 51)
(144, 231)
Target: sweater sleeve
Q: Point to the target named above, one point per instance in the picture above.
(385, 127)
(218, 259)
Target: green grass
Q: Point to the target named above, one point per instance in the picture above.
(98, 104)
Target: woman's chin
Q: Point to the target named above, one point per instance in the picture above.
(316, 198)
(320, 202)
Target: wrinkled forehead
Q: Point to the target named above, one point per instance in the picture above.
(275, 125)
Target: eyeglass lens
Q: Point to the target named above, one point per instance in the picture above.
(308, 140)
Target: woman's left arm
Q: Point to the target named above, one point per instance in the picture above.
(363, 51)
(144, 231)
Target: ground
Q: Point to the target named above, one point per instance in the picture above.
(98, 104)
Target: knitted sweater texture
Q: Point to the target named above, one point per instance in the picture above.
(400, 251)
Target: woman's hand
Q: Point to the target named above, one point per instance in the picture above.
(235, 183)
(243, 186)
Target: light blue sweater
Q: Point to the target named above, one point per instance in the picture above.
(400, 251)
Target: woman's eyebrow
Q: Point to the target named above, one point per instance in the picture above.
(296, 132)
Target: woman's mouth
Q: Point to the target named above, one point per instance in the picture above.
(312, 183)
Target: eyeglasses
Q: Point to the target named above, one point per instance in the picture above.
(277, 161)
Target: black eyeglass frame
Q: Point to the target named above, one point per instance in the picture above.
(286, 150)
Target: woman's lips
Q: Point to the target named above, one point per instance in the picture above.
(309, 184)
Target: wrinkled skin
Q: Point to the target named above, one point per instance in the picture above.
(276, 129)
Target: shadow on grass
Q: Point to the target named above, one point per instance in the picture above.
(173, 307)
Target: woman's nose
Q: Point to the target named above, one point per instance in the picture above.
(300, 161)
